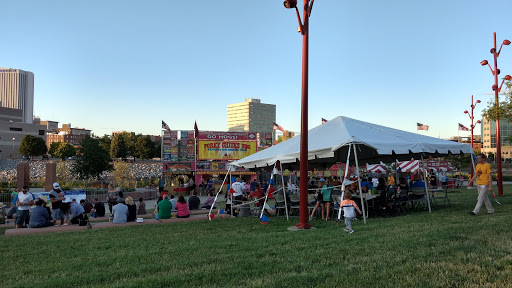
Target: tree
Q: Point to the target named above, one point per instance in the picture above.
(505, 108)
(118, 147)
(32, 146)
(62, 150)
(92, 160)
(105, 142)
(144, 147)
(157, 150)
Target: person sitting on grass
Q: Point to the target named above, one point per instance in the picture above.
(349, 206)
(120, 212)
(87, 205)
(98, 209)
(182, 208)
(76, 211)
(194, 202)
(132, 209)
(141, 207)
(209, 202)
(39, 216)
(173, 202)
(164, 208)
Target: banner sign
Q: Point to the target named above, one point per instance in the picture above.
(78, 195)
(236, 136)
(225, 150)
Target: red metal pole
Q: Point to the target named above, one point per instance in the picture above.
(303, 224)
(498, 136)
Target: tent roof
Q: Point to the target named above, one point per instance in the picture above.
(329, 142)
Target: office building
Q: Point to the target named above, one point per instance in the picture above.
(477, 141)
(17, 91)
(489, 138)
(12, 131)
(251, 116)
(67, 134)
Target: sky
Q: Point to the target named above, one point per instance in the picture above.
(127, 65)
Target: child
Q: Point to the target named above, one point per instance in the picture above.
(348, 211)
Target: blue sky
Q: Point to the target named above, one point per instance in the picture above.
(127, 65)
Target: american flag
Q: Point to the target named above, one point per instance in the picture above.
(278, 127)
(420, 126)
(463, 128)
(165, 126)
(324, 120)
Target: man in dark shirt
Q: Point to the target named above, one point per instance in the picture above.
(56, 197)
(98, 209)
(87, 205)
(193, 202)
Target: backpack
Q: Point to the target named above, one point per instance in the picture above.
(82, 221)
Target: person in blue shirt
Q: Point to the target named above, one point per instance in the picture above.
(418, 182)
(76, 211)
(161, 184)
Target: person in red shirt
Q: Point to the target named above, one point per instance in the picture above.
(257, 193)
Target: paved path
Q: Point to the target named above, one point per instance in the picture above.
(100, 225)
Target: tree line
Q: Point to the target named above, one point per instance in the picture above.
(94, 154)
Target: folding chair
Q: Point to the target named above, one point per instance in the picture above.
(280, 203)
(443, 194)
(294, 203)
(418, 196)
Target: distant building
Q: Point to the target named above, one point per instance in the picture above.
(114, 133)
(477, 141)
(51, 126)
(17, 91)
(67, 134)
(287, 135)
(12, 130)
(251, 116)
(489, 138)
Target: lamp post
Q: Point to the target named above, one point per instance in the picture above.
(12, 155)
(472, 127)
(304, 31)
(496, 89)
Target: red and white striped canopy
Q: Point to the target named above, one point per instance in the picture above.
(376, 168)
(413, 166)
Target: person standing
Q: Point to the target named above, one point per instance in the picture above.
(25, 200)
(348, 205)
(112, 197)
(483, 184)
(161, 184)
(56, 198)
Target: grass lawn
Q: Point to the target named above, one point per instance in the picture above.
(447, 248)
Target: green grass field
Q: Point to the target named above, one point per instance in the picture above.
(447, 248)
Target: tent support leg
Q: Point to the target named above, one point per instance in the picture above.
(359, 183)
(426, 186)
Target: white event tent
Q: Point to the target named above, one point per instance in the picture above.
(333, 141)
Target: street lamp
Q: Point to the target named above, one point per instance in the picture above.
(12, 155)
(304, 30)
(496, 89)
(472, 127)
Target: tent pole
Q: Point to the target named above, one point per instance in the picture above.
(359, 183)
(284, 191)
(343, 182)
(266, 193)
(426, 186)
(216, 195)
(231, 194)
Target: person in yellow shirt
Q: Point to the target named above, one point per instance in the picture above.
(483, 184)
(391, 179)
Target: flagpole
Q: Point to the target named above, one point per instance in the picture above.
(162, 133)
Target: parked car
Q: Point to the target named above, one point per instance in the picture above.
(72, 158)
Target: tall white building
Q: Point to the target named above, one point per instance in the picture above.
(17, 92)
(251, 116)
